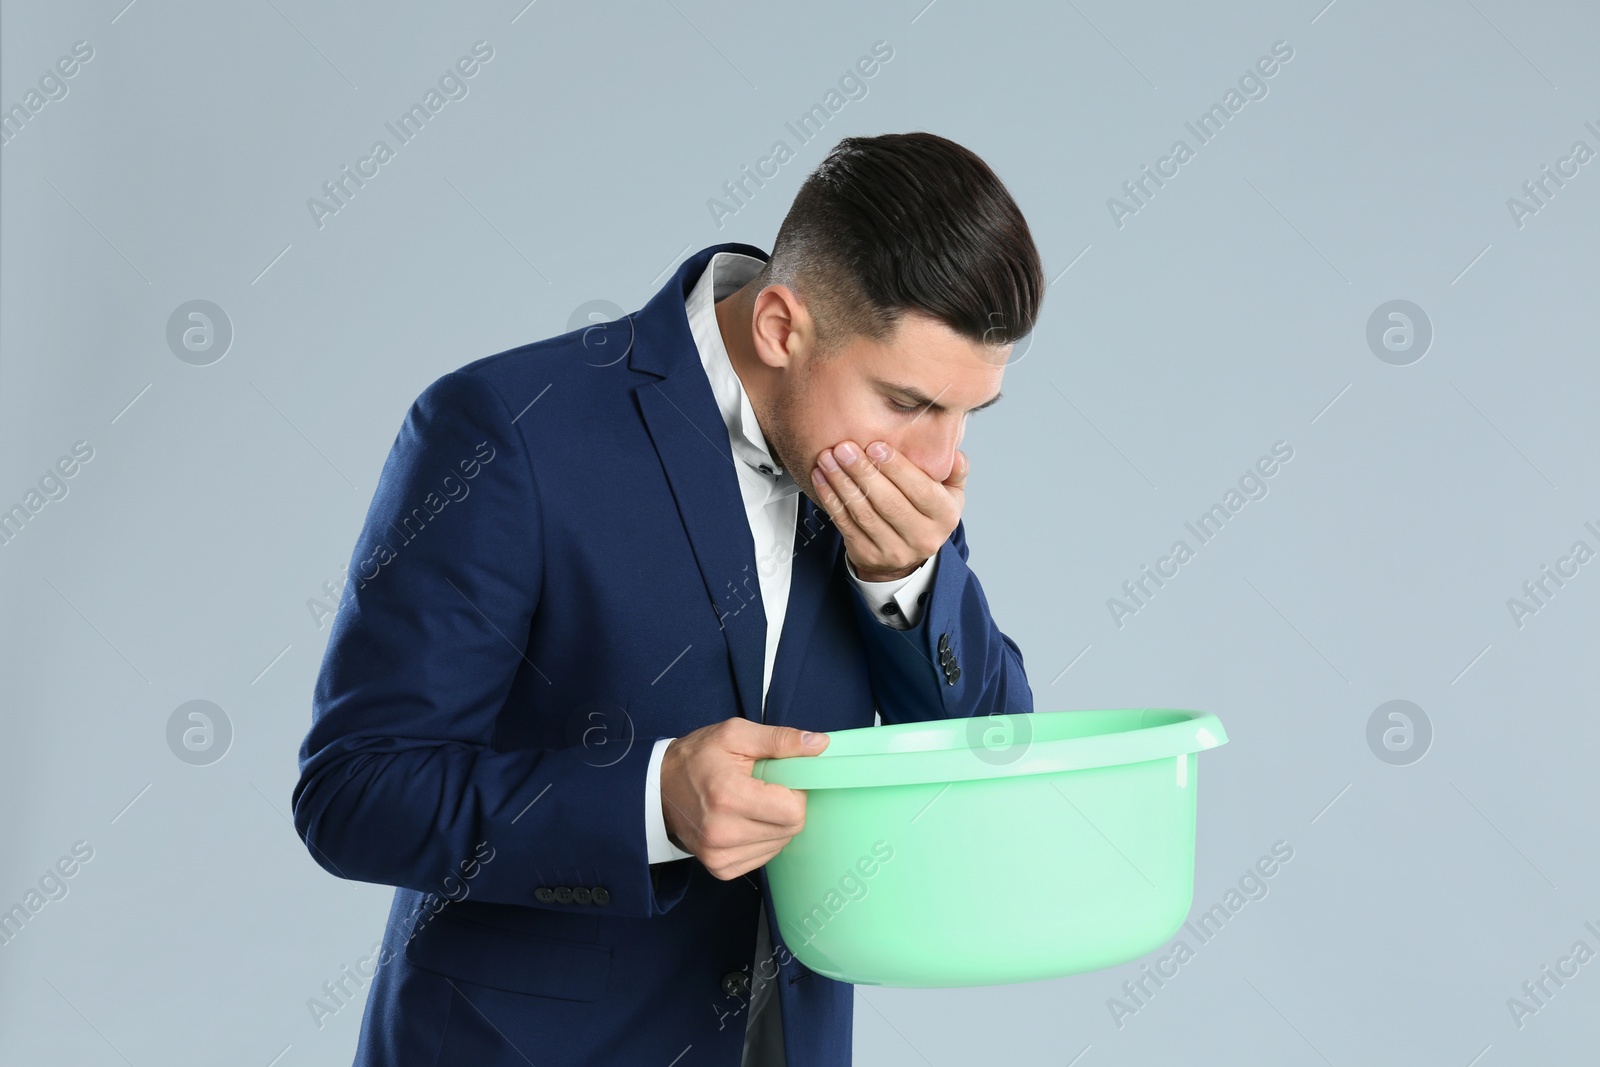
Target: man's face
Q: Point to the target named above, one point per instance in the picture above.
(881, 391)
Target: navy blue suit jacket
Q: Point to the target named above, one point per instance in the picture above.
(556, 570)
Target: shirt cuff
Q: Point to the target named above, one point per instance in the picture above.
(659, 847)
(897, 604)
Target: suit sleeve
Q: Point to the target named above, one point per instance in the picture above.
(401, 781)
(913, 679)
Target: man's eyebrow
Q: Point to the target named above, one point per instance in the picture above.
(923, 400)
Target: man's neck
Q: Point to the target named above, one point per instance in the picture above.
(733, 321)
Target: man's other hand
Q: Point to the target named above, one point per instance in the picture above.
(890, 512)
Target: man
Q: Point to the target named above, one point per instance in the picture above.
(604, 573)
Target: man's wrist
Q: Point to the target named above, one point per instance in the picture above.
(884, 576)
(666, 805)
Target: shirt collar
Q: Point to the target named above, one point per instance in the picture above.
(726, 273)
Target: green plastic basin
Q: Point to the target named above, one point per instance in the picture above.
(993, 849)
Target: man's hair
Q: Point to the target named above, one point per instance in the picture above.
(907, 221)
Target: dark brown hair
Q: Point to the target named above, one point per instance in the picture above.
(907, 221)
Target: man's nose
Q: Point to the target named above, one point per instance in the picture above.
(933, 447)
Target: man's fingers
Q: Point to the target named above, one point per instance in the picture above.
(958, 472)
(893, 503)
(733, 863)
(920, 491)
(838, 512)
(759, 830)
(761, 812)
(855, 503)
(900, 490)
(888, 501)
(772, 805)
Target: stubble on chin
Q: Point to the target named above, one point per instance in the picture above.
(775, 428)
(779, 426)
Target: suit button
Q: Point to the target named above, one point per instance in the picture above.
(543, 895)
(581, 895)
(736, 984)
(952, 674)
(563, 894)
(600, 895)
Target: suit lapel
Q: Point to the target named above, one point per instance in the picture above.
(681, 415)
(816, 553)
(692, 442)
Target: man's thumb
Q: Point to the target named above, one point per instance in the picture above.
(783, 741)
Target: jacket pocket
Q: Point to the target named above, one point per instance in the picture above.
(511, 960)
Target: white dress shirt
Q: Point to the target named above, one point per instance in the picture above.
(771, 502)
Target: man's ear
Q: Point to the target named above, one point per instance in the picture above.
(783, 330)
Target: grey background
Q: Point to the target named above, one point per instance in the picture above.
(1229, 313)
